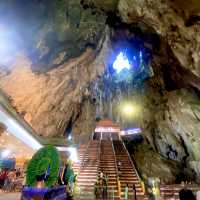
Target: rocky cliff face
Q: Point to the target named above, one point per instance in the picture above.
(55, 97)
(55, 77)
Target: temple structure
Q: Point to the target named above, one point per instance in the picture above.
(106, 129)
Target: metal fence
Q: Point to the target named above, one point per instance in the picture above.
(99, 193)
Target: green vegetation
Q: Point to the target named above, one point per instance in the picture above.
(46, 157)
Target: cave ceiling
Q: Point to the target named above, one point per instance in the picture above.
(48, 29)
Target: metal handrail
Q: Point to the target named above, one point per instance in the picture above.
(110, 192)
(116, 168)
(132, 163)
(99, 157)
(83, 159)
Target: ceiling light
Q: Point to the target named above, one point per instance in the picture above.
(17, 129)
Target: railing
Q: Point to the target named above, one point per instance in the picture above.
(99, 193)
(83, 159)
(116, 168)
(132, 163)
(99, 157)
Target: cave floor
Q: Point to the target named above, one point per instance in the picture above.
(10, 196)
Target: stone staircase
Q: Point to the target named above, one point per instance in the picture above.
(81, 152)
(127, 172)
(87, 170)
(103, 156)
(108, 166)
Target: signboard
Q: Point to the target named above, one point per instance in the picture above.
(7, 163)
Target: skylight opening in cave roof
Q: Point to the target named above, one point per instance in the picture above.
(121, 62)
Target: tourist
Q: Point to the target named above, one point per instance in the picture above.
(18, 173)
(11, 181)
(72, 182)
(186, 194)
(126, 192)
(198, 195)
(96, 189)
(119, 164)
(66, 174)
(3, 177)
(101, 177)
(134, 192)
(119, 173)
(24, 180)
(105, 186)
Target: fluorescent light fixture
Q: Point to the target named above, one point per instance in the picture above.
(121, 62)
(131, 131)
(72, 150)
(16, 129)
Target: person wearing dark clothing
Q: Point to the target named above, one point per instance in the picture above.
(18, 173)
(66, 174)
(105, 187)
(186, 194)
(96, 189)
(134, 192)
(3, 177)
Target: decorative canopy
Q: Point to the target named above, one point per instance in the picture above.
(107, 125)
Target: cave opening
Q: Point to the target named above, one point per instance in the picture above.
(68, 130)
(129, 67)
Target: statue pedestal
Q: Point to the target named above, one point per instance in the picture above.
(35, 193)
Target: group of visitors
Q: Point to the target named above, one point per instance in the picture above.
(126, 192)
(101, 186)
(8, 179)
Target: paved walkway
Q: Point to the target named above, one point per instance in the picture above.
(9, 196)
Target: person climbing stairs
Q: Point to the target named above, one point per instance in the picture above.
(87, 170)
(108, 167)
(127, 172)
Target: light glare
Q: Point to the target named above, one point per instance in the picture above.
(128, 109)
(5, 153)
(8, 44)
(72, 150)
(121, 63)
(18, 130)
